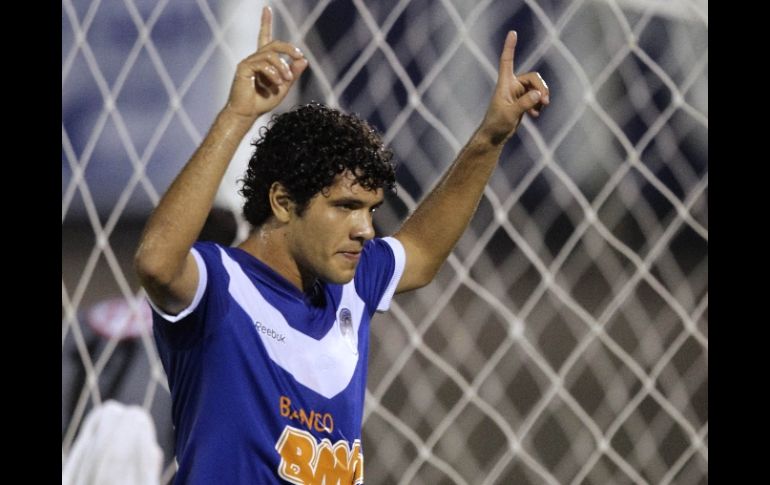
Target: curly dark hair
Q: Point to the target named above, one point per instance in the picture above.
(305, 149)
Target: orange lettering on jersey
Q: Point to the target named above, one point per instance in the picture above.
(304, 461)
(297, 450)
(323, 423)
(305, 419)
(339, 464)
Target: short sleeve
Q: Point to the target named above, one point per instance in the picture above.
(202, 281)
(188, 326)
(379, 271)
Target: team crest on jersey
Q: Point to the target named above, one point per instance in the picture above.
(346, 329)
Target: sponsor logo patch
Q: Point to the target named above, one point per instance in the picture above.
(263, 329)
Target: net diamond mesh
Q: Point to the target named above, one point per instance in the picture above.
(566, 338)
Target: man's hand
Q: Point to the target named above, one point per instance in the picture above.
(513, 96)
(263, 78)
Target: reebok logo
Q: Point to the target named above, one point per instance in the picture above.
(278, 337)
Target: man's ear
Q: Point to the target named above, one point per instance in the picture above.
(280, 202)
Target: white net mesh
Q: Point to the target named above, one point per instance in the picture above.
(565, 340)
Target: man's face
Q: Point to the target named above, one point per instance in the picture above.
(327, 240)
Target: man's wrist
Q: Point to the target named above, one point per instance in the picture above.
(489, 134)
(235, 122)
(486, 139)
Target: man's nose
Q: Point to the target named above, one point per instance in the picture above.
(363, 228)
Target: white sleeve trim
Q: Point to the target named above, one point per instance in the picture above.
(400, 262)
(202, 280)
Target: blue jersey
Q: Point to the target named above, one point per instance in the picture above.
(267, 382)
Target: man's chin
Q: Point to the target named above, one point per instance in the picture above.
(341, 277)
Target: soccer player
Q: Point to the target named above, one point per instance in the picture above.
(265, 344)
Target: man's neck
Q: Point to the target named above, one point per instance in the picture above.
(268, 244)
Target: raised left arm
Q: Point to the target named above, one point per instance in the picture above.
(431, 232)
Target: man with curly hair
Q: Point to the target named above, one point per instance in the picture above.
(265, 345)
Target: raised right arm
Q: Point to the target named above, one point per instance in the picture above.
(166, 268)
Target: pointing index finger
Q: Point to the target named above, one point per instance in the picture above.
(266, 29)
(506, 58)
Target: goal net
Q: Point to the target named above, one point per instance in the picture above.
(566, 338)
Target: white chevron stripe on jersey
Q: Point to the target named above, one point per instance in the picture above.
(326, 365)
